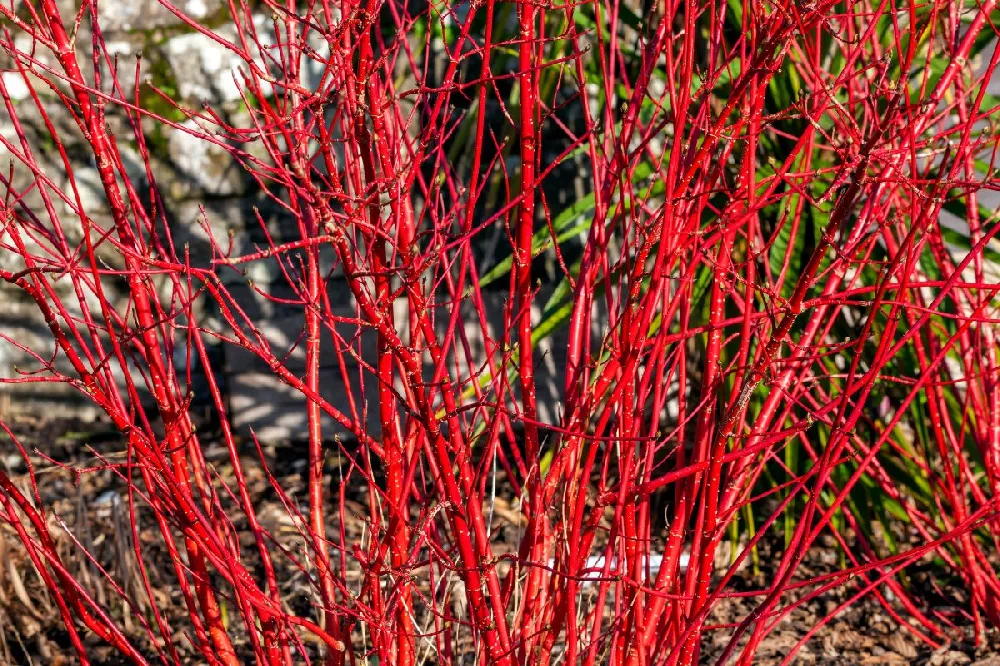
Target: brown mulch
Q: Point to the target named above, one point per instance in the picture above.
(91, 505)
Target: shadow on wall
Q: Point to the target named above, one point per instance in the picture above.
(202, 191)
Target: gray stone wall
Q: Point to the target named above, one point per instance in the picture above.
(204, 192)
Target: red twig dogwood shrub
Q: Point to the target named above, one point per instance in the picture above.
(772, 301)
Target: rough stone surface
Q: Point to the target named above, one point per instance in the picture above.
(210, 205)
(205, 69)
(202, 168)
(147, 15)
